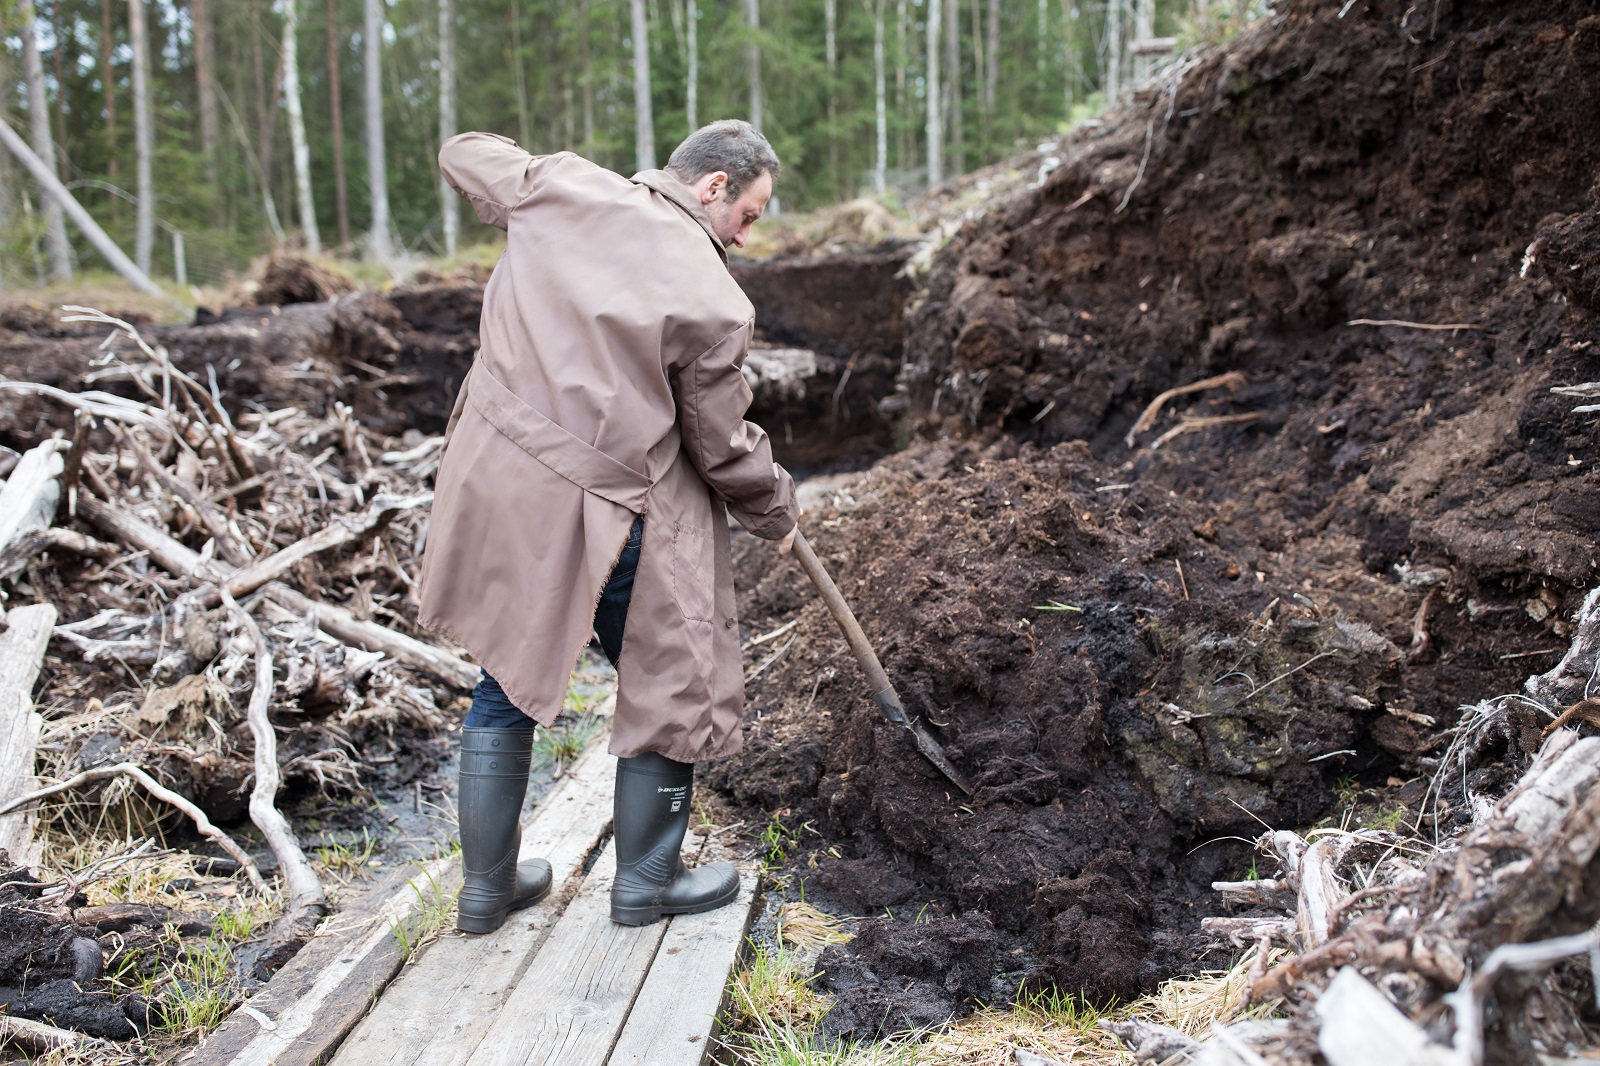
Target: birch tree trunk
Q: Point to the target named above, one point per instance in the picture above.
(644, 129)
(935, 126)
(692, 96)
(1144, 28)
(108, 83)
(297, 125)
(830, 13)
(519, 77)
(144, 233)
(447, 117)
(588, 72)
(205, 78)
(991, 72)
(8, 185)
(55, 227)
(980, 74)
(952, 84)
(752, 58)
(340, 189)
(81, 218)
(1113, 79)
(880, 167)
(377, 171)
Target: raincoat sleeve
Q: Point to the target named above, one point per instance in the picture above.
(732, 455)
(492, 172)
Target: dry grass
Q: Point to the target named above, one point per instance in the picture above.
(104, 289)
(806, 927)
(777, 1011)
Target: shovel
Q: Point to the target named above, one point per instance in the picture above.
(883, 693)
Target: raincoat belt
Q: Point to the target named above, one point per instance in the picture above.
(584, 465)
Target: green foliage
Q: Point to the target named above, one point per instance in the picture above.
(776, 840)
(423, 923)
(554, 75)
(345, 861)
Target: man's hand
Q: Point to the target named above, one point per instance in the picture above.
(786, 545)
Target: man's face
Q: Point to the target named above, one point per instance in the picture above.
(731, 219)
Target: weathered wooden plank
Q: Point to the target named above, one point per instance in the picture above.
(439, 1009)
(675, 1016)
(313, 1002)
(22, 648)
(570, 1006)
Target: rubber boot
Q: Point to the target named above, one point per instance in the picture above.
(494, 778)
(651, 816)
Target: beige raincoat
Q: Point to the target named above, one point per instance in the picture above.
(608, 383)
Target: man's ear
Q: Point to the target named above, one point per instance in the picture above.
(713, 185)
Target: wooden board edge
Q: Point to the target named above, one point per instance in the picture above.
(748, 905)
(377, 960)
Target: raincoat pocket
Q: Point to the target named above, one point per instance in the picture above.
(694, 572)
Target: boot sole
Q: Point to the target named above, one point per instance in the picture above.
(650, 914)
(488, 923)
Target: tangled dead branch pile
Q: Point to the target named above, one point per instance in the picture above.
(1482, 949)
(219, 600)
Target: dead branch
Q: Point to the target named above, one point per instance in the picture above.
(1403, 324)
(1243, 931)
(1267, 892)
(105, 405)
(214, 414)
(341, 532)
(227, 546)
(1232, 380)
(165, 551)
(42, 1039)
(307, 902)
(1191, 425)
(160, 792)
(20, 552)
(28, 500)
(22, 647)
(336, 621)
(371, 636)
(1319, 887)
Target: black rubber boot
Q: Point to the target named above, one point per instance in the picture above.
(651, 816)
(494, 778)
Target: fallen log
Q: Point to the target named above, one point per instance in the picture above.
(22, 647)
(81, 218)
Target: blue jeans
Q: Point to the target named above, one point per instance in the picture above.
(491, 709)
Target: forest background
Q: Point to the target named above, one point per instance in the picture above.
(200, 133)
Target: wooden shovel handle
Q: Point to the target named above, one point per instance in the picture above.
(883, 693)
(876, 677)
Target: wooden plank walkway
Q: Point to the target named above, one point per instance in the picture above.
(558, 983)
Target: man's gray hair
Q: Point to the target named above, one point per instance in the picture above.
(731, 145)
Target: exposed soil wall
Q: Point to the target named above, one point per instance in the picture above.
(1137, 652)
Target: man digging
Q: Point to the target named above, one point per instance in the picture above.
(594, 451)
